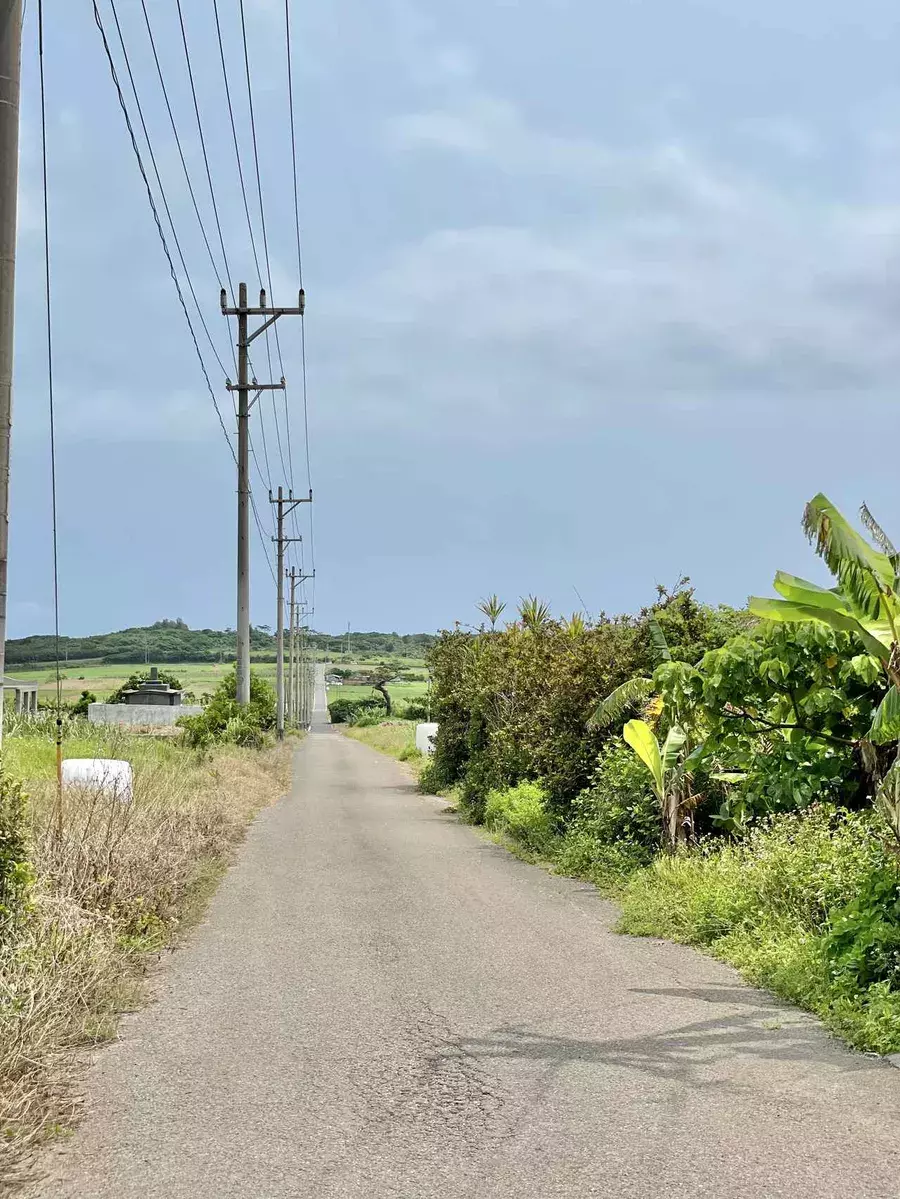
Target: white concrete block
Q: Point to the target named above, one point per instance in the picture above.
(107, 775)
(142, 715)
(425, 736)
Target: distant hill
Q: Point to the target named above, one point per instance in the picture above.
(173, 641)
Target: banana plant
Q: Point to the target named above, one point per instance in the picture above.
(635, 692)
(669, 774)
(865, 603)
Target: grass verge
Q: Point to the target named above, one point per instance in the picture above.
(396, 738)
(121, 883)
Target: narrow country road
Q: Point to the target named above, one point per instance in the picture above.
(383, 1004)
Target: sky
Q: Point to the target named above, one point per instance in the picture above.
(598, 295)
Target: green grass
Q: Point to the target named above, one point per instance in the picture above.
(398, 692)
(397, 739)
(31, 758)
(198, 677)
(764, 905)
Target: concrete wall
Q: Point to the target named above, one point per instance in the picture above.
(140, 714)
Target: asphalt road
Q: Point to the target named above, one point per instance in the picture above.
(384, 1004)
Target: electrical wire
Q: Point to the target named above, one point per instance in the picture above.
(305, 392)
(163, 241)
(52, 417)
(162, 236)
(162, 191)
(175, 134)
(288, 471)
(246, 203)
(212, 192)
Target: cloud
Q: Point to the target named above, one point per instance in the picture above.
(688, 284)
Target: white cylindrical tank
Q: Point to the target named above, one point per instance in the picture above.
(106, 775)
(425, 735)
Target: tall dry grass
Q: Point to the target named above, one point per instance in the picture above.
(116, 886)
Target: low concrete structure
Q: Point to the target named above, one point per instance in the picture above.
(425, 735)
(153, 692)
(150, 715)
(25, 693)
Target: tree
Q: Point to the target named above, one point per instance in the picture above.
(379, 681)
(865, 603)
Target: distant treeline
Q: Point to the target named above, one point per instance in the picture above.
(173, 641)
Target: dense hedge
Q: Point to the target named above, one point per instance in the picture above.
(513, 705)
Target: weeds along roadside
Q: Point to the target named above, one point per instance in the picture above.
(120, 885)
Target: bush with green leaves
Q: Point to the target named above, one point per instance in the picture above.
(415, 709)
(346, 710)
(780, 905)
(143, 676)
(619, 805)
(15, 869)
(514, 704)
(521, 813)
(862, 946)
(81, 705)
(223, 719)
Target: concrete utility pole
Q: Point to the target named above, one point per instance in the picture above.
(291, 705)
(284, 508)
(243, 387)
(10, 70)
(300, 698)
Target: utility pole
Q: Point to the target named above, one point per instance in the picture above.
(291, 706)
(299, 700)
(243, 387)
(10, 71)
(284, 508)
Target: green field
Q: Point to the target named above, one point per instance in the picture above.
(398, 691)
(199, 677)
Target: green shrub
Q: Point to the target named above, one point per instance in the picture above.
(223, 719)
(415, 709)
(804, 907)
(521, 813)
(346, 710)
(863, 944)
(15, 870)
(619, 805)
(80, 707)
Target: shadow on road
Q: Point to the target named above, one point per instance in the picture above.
(686, 1052)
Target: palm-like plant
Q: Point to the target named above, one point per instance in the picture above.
(492, 608)
(534, 613)
(575, 626)
(865, 602)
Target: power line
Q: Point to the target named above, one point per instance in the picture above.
(290, 84)
(162, 236)
(187, 174)
(265, 240)
(212, 193)
(162, 190)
